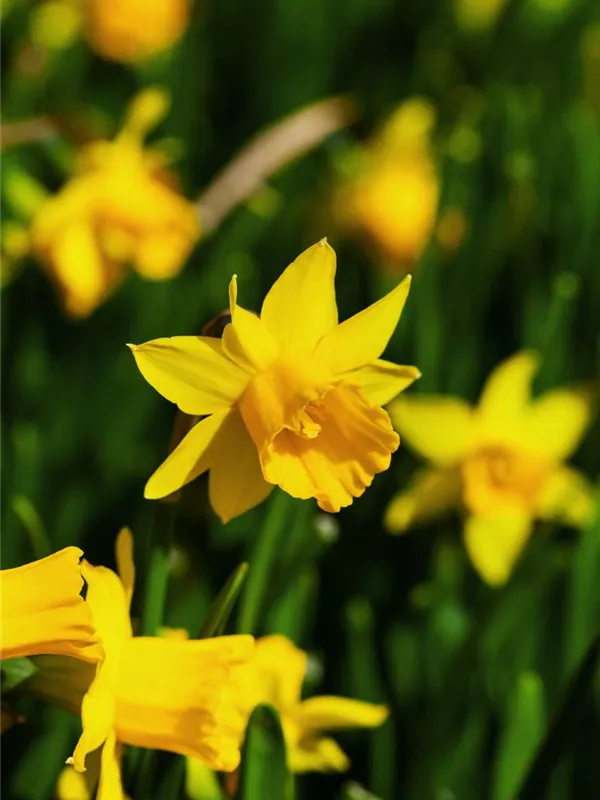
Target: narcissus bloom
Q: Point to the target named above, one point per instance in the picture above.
(133, 30)
(502, 462)
(291, 398)
(42, 610)
(393, 200)
(161, 693)
(274, 675)
(119, 208)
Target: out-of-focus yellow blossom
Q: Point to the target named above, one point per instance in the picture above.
(134, 30)
(42, 610)
(292, 398)
(502, 462)
(477, 15)
(55, 24)
(161, 693)
(274, 675)
(118, 208)
(394, 200)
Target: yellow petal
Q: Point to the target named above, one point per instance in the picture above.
(235, 482)
(300, 308)
(278, 668)
(43, 611)
(567, 497)
(246, 340)
(191, 371)
(190, 458)
(97, 715)
(317, 755)
(438, 428)
(381, 381)
(504, 402)
(125, 562)
(363, 338)
(355, 442)
(431, 493)
(334, 713)
(557, 422)
(72, 785)
(110, 786)
(494, 543)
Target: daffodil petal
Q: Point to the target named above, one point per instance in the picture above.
(503, 405)
(361, 339)
(235, 481)
(567, 497)
(494, 543)
(190, 458)
(300, 307)
(110, 786)
(72, 785)
(317, 755)
(557, 422)
(246, 340)
(191, 371)
(438, 428)
(335, 713)
(97, 716)
(107, 599)
(125, 562)
(278, 670)
(431, 493)
(381, 381)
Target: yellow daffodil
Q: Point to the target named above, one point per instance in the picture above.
(119, 208)
(291, 398)
(42, 610)
(133, 30)
(502, 462)
(394, 199)
(274, 675)
(161, 693)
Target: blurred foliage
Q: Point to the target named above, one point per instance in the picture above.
(473, 676)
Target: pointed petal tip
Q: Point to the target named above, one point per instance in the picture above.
(323, 241)
(131, 346)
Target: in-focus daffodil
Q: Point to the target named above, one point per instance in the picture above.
(133, 30)
(290, 398)
(274, 675)
(394, 198)
(42, 610)
(119, 208)
(502, 462)
(162, 693)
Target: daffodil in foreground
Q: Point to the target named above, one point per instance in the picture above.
(119, 208)
(274, 675)
(161, 693)
(502, 462)
(291, 397)
(42, 610)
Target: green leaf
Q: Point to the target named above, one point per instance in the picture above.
(523, 730)
(15, 671)
(263, 772)
(221, 608)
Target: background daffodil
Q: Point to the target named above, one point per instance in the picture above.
(274, 675)
(161, 693)
(501, 461)
(42, 610)
(119, 208)
(291, 398)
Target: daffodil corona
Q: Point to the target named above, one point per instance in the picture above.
(274, 675)
(289, 398)
(502, 462)
(43, 611)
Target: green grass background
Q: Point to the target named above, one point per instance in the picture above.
(475, 677)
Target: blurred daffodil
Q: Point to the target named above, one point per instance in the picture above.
(161, 693)
(292, 398)
(42, 610)
(393, 201)
(134, 30)
(502, 462)
(119, 208)
(274, 675)
(477, 16)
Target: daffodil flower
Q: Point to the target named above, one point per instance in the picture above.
(161, 693)
(42, 610)
(274, 675)
(119, 208)
(289, 398)
(502, 462)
